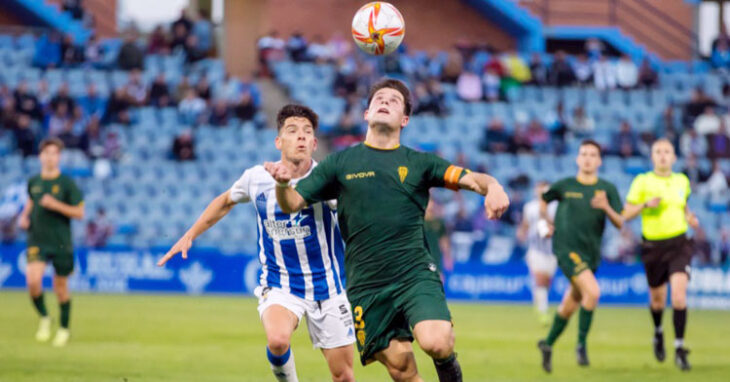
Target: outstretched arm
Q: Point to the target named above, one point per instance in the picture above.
(24, 221)
(216, 210)
(289, 199)
(496, 200)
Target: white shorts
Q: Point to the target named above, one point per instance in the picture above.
(541, 262)
(329, 321)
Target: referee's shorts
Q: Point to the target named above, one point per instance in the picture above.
(662, 258)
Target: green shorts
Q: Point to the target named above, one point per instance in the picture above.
(63, 261)
(573, 263)
(391, 312)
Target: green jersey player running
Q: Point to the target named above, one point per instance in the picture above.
(382, 189)
(584, 202)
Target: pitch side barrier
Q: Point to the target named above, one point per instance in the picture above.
(210, 271)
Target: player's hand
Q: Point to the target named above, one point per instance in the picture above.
(48, 201)
(496, 202)
(693, 221)
(278, 171)
(551, 230)
(24, 222)
(182, 246)
(653, 202)
(600, 201)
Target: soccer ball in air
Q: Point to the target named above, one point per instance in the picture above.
(378, 28)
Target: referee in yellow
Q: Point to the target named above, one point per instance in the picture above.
(660, 196)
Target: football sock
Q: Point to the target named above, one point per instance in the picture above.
(283, 365)
(40, 305)
(448, 369)
(585, 317)
(556, 329)
(656, 316)
(65, 308)
(540, 295)
(680, 321)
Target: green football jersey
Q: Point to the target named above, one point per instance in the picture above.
(51, 230)
(435, 229)
(381, 202)
(578, 226)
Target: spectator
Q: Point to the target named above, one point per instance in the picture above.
(561, 73)
(159, 94)
(59, 119)
(296, 46)
(516, 68)
(192, 52)
(692, 144)
(721, 55)
(244, 108)
(191, 108)
(716, 186)
(538, 137)
(136, 89)
(157, 42)
(70, 55)
(93, 52)
(130, 55)
(627, 74)
(695, 174)
(62, 98)
(91, 141)
(346, 80)
(648, 77)
(581, 124)
(539, 71)
(203, 32)
(271, 48)
(339, 46)
(583, 70)
(219, 114)
(624, 142)
(520, 140)
(183, 148)
(594, 47)
(708, 122)
(182, 89)
(203, 89)
(25, 138)
(604, 74)
(92, 103)
(492, 82)
(183, 24)
(718, 144)
(112, 146)
(496, 139)
(69, 138)
(117, 110)
(26, 102)
(318, 51)
(699, 101)
(43, 95)
(8, 117)
(452, 67)
(98, 230)
(469, 86)
(425, 102)
(701, 248)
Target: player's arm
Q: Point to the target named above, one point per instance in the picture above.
(632, 210)
(53, 204)
(24, 220)
(289, 199)
(496, 200)
(601, 201)
(692, 219)
(215, 211)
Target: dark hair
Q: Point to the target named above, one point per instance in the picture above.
(591, 142)
(396, 85)
(292, 110)
(50, 142)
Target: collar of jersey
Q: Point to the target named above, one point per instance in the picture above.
(586, 184)
(381, 149)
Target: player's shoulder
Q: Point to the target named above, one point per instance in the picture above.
(65, 178)
(35, 178)
(605, 183)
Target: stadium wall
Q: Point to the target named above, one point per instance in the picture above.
(439, 24)
(126, 270)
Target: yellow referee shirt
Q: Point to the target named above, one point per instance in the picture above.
(668, 219)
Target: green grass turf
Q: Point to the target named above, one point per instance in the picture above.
(182, 338)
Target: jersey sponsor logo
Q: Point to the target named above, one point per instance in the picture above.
(55, 189)
(286, 229)
(360, 175)
(36, 190)
(402, 173)
(573, 195)
(33, 253)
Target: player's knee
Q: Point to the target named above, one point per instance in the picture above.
(679, 300)
(278, 343)
(344, 374)
(402, 371)
(438, 347)
(657, 301)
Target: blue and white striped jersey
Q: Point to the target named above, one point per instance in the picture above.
(301, 253)
(531, 213)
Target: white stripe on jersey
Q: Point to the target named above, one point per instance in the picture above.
(271, 215)
(325, 248)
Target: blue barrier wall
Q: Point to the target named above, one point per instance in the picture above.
(121, 270)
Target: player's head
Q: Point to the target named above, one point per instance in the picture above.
(296, 125)
(389, 104)
(662, 154)
(589, 157)
(49, 153)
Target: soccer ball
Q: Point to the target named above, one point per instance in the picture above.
(378, 28)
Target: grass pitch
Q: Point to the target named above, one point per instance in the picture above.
(180, 338)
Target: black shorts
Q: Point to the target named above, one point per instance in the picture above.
(661, 258)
